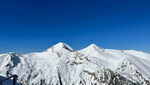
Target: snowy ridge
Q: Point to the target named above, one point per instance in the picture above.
(89, 66)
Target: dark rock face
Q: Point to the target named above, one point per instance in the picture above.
(7, 82)
(108, 77)
(124, 69)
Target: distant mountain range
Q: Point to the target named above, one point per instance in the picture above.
(89, 66)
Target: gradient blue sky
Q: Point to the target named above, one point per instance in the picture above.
(35, 25)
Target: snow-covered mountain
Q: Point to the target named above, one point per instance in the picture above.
(60, 64)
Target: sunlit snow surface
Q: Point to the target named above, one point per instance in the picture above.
(89, 66)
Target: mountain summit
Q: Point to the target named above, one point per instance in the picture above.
(60, 46)
(89, 66)
(92, 47)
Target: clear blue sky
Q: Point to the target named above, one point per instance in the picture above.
(35, 25)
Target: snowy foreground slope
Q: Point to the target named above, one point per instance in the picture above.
(89, 66)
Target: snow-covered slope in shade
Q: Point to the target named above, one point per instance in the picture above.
(90, 66)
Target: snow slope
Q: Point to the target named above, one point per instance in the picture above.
(89, 66)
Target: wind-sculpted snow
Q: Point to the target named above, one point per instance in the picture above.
(60, 64)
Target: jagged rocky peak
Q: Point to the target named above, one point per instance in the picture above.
(60, 46)
(12, 54)
(9, 55)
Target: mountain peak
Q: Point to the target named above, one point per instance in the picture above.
(61, 45)
(93, 46)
